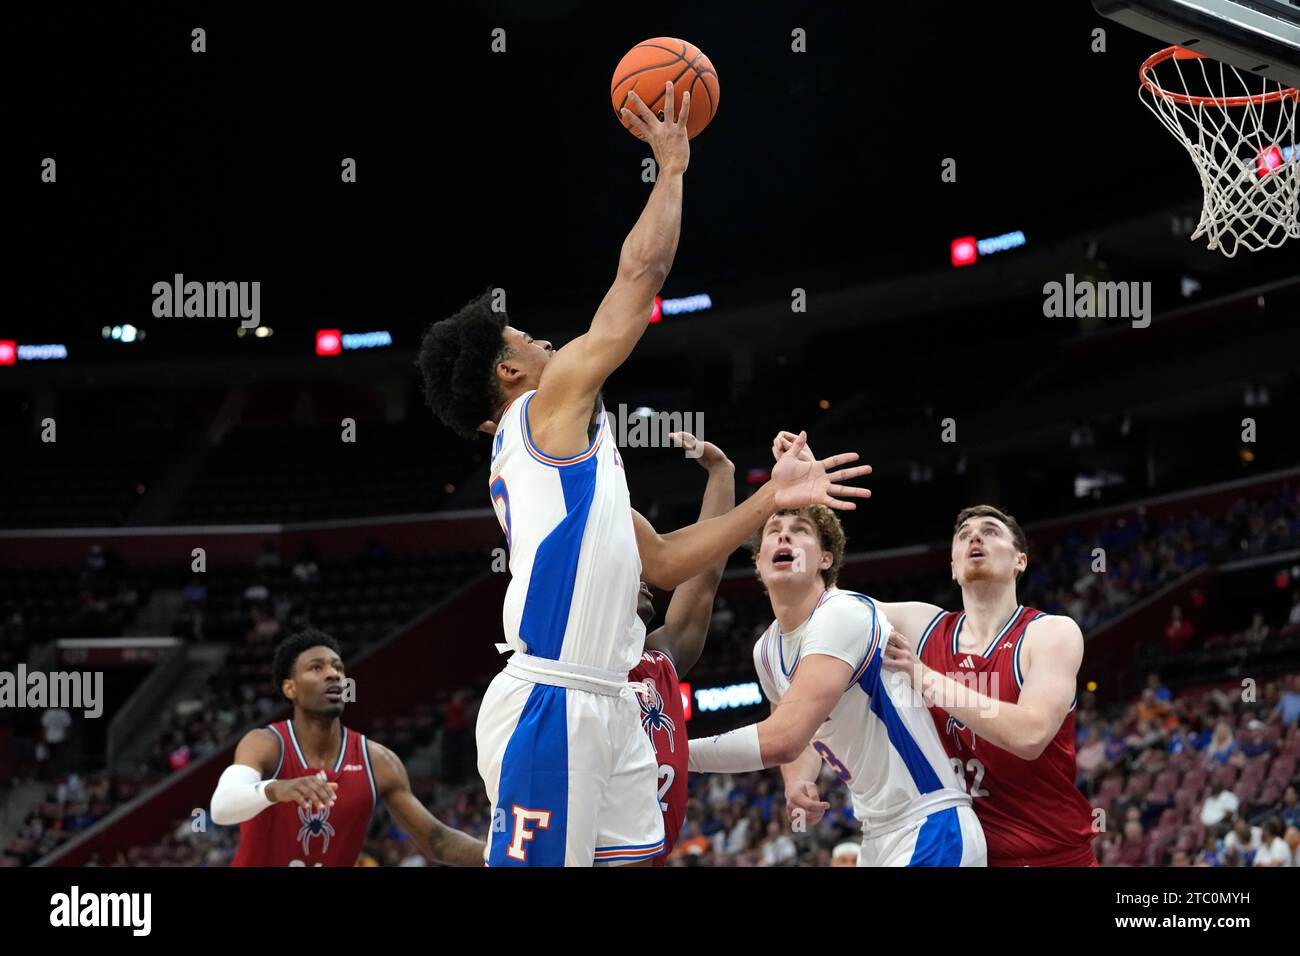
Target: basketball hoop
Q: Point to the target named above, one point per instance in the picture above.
(1240, 130)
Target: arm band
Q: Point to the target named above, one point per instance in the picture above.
(240, 795)
(734, 752)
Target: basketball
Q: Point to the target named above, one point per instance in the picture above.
(651, 64)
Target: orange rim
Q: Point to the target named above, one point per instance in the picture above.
(1180, 53)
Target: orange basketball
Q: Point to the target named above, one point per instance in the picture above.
(650, 65)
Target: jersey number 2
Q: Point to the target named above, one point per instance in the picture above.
(667, 774)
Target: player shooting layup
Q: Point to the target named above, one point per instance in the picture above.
(570, 773)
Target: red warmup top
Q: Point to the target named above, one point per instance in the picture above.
(1031, 811)
(664, 719)
(286, 835)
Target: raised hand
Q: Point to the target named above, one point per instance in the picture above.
(709, 455)
(665, 134)
(799, 480)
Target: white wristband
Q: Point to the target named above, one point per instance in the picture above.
(734, 752)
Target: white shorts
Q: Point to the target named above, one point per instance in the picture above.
(571, 775)
(948, 837)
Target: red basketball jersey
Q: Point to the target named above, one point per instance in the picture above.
(286, 835)
(664, 719)
(1031, 811)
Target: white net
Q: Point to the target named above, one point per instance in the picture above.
(1240, 130)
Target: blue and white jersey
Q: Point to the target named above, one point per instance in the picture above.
(574, 565)
(880, 738)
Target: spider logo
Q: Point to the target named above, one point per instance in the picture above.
(652, 713)
(955, 727)
(315, 824)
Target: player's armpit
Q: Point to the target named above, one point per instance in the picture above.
(910, 617)
(240, 794)
(259, 749)
(818, 685)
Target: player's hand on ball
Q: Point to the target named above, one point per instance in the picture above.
(804, 799)
(667, 136)
(799, 480)
(313, 794)
(709, 455)
(900, 655)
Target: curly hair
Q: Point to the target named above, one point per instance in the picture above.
(458, 359)
(830, 537)
(287, 651)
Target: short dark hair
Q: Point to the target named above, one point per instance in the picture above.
(988, 511)
(457, 361)
(287, 651)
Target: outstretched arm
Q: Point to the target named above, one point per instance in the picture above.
(568, 387)
(437, 841)
(686, 622)
(784, 737)
(243, 791)
(1054, 650)
(670, 559)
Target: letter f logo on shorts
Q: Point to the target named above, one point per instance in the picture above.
(524, 816)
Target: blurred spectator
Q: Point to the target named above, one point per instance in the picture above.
(1157, 686)
(1258, 631)
(1290, 809)
(1242, 840)
(1273, 850)
(723, 619)
(1211, 852)
(1136, 847)
(1294, 616)
(1178, 632)
(56, 721)
(1222, 745)
(305, 569)
(846, 854)
(778, 847)
(1257, 743)
(195, 592)
(1288, 705)
(95, 562)
(269, 559)
(1222, 806)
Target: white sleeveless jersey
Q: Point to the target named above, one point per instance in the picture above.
(574, 566)
(880, 739)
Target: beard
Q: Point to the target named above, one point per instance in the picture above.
(983, 571)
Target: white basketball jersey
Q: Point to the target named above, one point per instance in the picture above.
(574, 566)
(880, 739)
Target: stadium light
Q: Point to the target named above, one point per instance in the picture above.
(329, 342)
